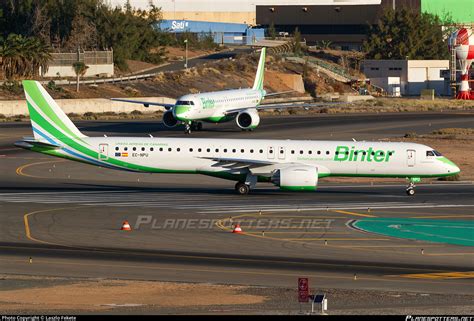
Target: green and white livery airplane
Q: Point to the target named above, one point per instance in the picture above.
(241, 105)
(290, 164)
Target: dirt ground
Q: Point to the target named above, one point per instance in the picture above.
(97, 295)
(55, 295)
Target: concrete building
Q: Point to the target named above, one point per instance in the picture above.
(223, 33)
(409, 76)
(99, 63)
(342, 22)
(233, 11)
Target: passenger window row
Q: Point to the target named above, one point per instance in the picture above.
(226, 150)
(310, 152)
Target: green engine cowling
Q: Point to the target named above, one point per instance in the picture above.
(296, 178)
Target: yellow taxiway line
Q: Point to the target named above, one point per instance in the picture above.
(19, 170)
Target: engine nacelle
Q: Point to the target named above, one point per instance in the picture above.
(296, 178)
(169, 120)
(248, 119)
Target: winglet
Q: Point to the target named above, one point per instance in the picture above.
(258, 83)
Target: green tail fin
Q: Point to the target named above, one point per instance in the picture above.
(47, 118)
(258, 83)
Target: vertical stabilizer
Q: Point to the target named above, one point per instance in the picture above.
(258, 83)
(48, 120)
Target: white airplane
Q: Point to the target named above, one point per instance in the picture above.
(221, 106)
(290, 164)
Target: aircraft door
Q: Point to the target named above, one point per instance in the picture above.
(411, 157)
(103, 151)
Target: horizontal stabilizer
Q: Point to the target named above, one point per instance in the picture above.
(30, 142)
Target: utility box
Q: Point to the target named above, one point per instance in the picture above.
(427, 94)
(393, 86)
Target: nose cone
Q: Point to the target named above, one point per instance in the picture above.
(180, 112)
(449, 166)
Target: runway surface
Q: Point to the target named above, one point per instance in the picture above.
(66, 216)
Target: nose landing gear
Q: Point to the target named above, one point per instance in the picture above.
(190, 126)
(411, 185)
(411, 189)
(187, 128)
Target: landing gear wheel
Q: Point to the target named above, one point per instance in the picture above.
(411, 189)
(187, 129)
(242, 188)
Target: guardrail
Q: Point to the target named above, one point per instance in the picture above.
(338, 73)
(96, 81)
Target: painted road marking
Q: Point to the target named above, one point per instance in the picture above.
(225, 271)
(19, 170)
(355, 207)
(352, 213)
(199, 257)
(444, 254)
(454, 232)
(438, 275)
(299, 232)
(229, 204)
(335, 239)
(444, 216)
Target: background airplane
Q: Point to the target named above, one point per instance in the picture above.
(241, 105)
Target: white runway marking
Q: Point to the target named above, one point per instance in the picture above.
(210, 205)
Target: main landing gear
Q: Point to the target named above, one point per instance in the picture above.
(189, 127)
(242, 188)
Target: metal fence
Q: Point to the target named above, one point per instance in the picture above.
(87, 57)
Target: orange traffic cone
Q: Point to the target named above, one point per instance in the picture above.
(237, 229)
(126, 226)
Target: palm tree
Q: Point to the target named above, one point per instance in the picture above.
(23, 56)
(80, 69)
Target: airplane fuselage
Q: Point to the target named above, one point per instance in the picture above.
(214, 106)
(330, 158)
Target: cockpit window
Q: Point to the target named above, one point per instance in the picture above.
(433, 153)
(184, 102)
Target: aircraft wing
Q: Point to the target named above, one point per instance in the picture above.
(144, 103)
(284, 106)
(279, 93)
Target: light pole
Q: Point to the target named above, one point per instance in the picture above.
(186, 55)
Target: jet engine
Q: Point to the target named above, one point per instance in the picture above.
(296, 178)
(169, 120)
(248, 119)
